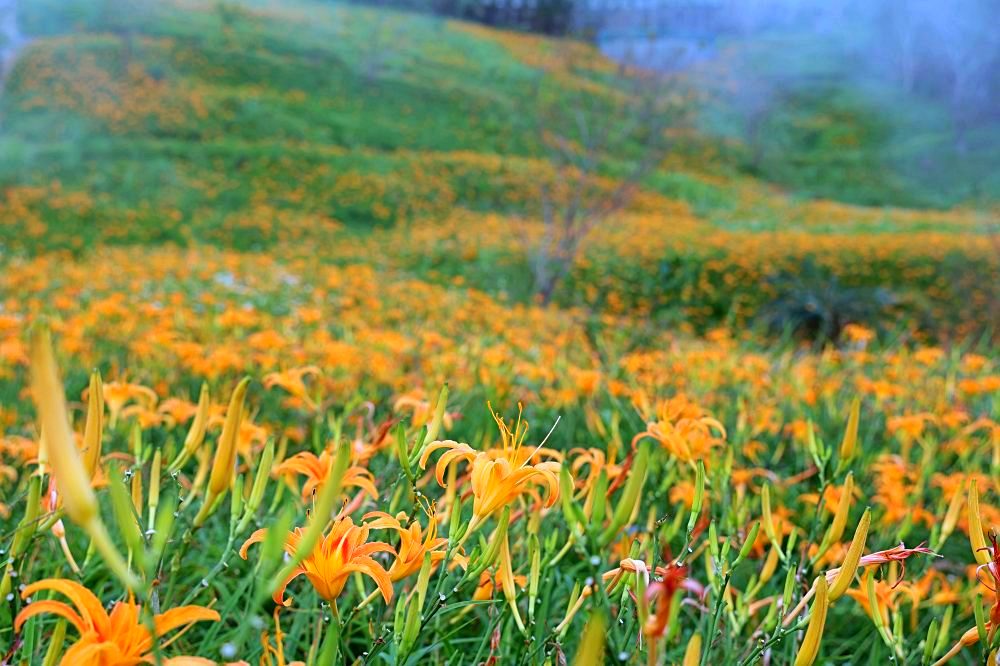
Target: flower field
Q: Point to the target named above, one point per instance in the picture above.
(275, 389)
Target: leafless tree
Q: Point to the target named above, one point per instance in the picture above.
(604, 132)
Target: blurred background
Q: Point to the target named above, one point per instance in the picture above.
(777, 165)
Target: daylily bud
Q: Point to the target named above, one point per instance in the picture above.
(399, 623)
(534, 572)
(699, 495)
(154, 487)
(692, 654)
(979, 548)
(489, 555)
(770, 566)
(817, 450)
(980, 615)
(597, 503)
(591, 651)
(225, 456)
(402, 453)
(433, 429)
(747, 544)
(79, 500)
(836, 530)
(43, 451)
(456, 528)
(942, 641)
(196, 434)
(814, 630)
(950, 518)
(236, 500)
(713, 541)
(505, 573)
(136, 487)
(768, 518)
(260, 478)
(439, 407)
(223, 464)
(850, 564)
(25, 530)
(930, 641)
(94, 428)
(414, 608)
(850, 442)
(786, 595)
(876, 609)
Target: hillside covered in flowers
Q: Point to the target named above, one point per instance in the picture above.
(278, 383)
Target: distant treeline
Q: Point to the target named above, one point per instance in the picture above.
(549, 17)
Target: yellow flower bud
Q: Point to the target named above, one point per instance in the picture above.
(814, 630)
(196, 434)
(154, 488)
(853, 557)
(770, 565)
(768, 518)
(836, 530)
(94, 428)
(979, 548)
(225, 456)
(850, 441)
(591, 651)
(79, 500)
(692, 655)
(71, 476)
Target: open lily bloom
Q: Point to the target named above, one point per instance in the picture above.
(108, 639)
(293, 381)
(342, 551)
(500, 475)
(413, 543)
(315, 469)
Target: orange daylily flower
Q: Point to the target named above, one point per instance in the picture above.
(595, 461)
(489, 582)
(342, 551)
(176, 411)
(683, 429)
(499, 476)
(293, 381)
(413, 544)
(118, 638)
(116, 394)
(315, 469)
